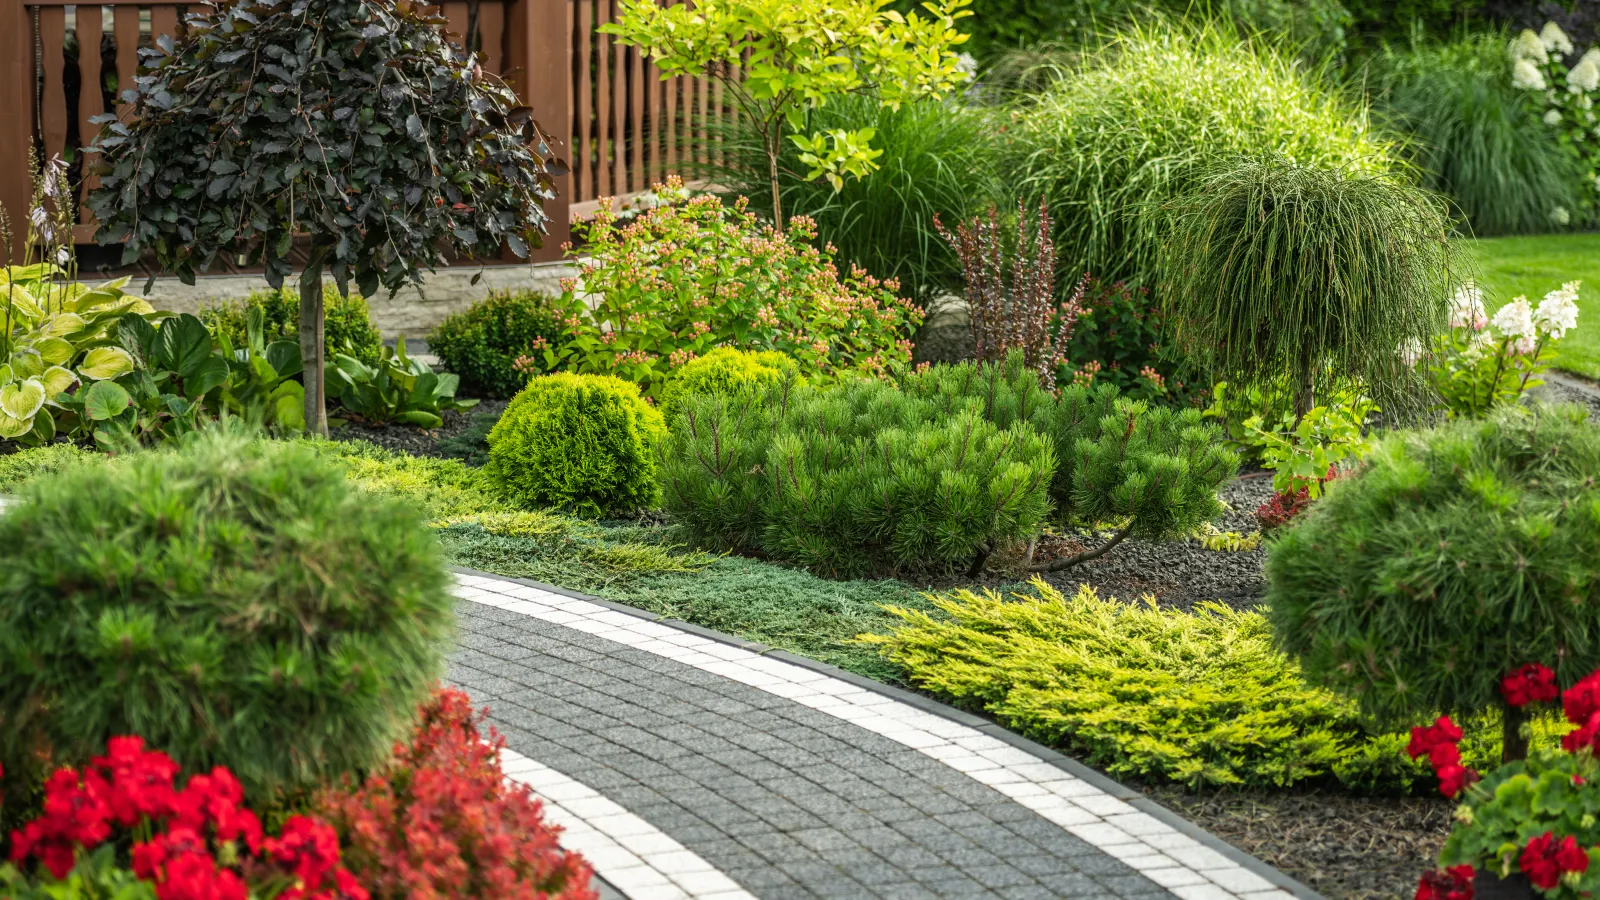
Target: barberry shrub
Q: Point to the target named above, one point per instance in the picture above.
(1456, 555)
(856, 477)
(441, 820)
(581, 442)
(483, 342)
(723, 371)
(693, 274)
(236, 602)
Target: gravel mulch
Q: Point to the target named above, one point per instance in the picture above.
(424, 442)
(1346, 848)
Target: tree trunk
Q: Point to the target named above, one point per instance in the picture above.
(1513, 746)
(774, 147)
(311, 352)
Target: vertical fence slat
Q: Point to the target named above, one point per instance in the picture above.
(719, 122)
(619, 117)
(52, 60)
(456, 15)
(163, 20)
(538, 47)
(602, 103)
(90, 103)
(16, 108)
(673, 87)
(636, 92)
(126, 29)
(583, 121)
(492, 29)
(650, 136)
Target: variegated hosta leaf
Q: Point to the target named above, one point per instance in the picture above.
(105, 362)
(11, 427)
(26, 362)
(54, 350)
(64, 323)
(22, 302)
(55, 380)
(21, 399)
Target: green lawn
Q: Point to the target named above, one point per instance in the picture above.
(1536, 265)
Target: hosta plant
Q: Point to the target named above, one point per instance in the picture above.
(686, 277)
(1482, 362)
(399, 388)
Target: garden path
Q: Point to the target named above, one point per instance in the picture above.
(683, 763)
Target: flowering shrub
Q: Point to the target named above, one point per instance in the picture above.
(198, 842)
(1538, 63)
(1482, 362)
(442, 822)
(683, 278)
(1539, 817)
(1117, 339)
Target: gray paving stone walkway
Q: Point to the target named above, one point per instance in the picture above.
(684, 766)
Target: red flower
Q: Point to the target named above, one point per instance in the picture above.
(307, 847)
(141, 780)
(1532, 683)
(1586, 736)
(1423, 740)
(1455, 883)
(1545, 859)
(1453, 778)
(195, 876)
(1581, 701)
(217, 799)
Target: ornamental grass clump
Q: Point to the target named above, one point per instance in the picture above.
(580, 442)
(1278, 273)
(236, 602)
(855, 478)
(1456, 555)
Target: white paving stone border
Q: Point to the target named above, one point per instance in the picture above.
(1154, 849)
(635, 857)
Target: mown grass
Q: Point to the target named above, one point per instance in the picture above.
(1535, 265)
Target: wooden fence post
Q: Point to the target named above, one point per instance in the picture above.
(539, 66)
(16, 111)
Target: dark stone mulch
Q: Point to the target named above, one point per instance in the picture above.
(1346, 848)
(453, 439)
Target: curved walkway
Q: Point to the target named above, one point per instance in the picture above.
(684, 763)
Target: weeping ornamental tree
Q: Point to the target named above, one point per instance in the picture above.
(354, 124)
(1282, 275)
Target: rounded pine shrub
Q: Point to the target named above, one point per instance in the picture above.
(483, 342)
(723, 372)
(234, 602)
(1457, 555)
(1141, 120)
(582, 442)
(346, 326)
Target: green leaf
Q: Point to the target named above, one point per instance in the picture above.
(136, 335)
(54, 351)
(106, 362)
(182, 345)
(104, 400)
(284, 357)
(211, 372)
(12, 427)
(420, 418)
(21, 399)
(56, 380)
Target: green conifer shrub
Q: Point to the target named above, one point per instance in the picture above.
(234, 602)
(855, 477)
(1456, 555)
(483, 342)
(723, 371)
(581, 442)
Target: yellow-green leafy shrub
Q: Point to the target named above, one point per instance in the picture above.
(723, 372)
(581, 442)
(1200, 698)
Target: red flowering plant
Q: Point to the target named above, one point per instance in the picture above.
(1538, 816)
(692, 274)
(442, 823)
(197, 842)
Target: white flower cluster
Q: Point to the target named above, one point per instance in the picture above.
(1528, 48)
(1558, 312)
(1466, 308)
(1555, 40)
(1526, 76)
(1514, 321)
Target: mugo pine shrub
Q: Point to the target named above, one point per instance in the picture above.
(854, 478)
(1458, 555)
(723, 371)
(581, 442)
(236, 603)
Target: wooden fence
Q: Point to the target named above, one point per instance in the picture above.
(626, 128)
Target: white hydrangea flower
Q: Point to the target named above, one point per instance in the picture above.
(1585, 76)
(1477, 348)
(1526, 76)
(1558, 312)
(1555, 40)
(967, 64)
(1527, 46)
(1593, 55)
(1560, 216)
(1552, 117)
(1410, 351)
(1466, 308)
(1515, 319)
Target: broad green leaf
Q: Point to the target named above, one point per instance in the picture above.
(12, 427)
(56, 379)
(136, 335)
(26, 363)
(64, 323)
(210, 373)
(106, 362)
(289, 412)
(182, 345)
(420, 418)
(104, 400)
(44, 427)
(21, 399)
(54, 351)
(285, 357)
(22, 301)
